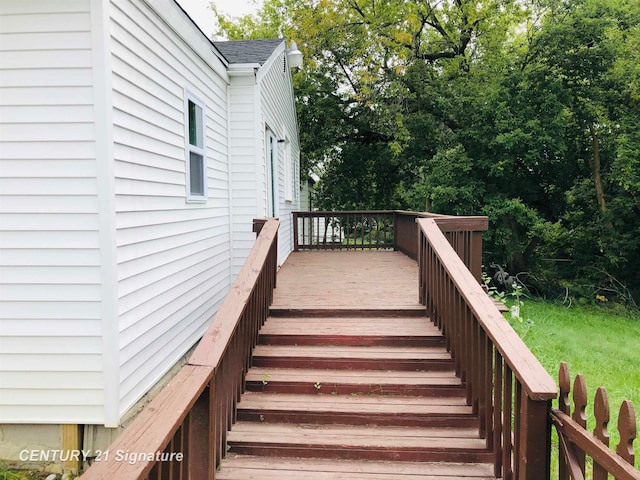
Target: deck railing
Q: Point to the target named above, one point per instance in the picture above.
(576, 442)
(181, 434)
(347, 230)
(506, 385)
(386, 229)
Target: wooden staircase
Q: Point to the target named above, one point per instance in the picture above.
(353, 397)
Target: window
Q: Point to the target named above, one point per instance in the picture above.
(196, 159)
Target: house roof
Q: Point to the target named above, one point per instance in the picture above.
(248, 51)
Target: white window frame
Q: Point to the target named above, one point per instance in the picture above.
(199, 149)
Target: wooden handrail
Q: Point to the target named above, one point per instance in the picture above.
(181, 433)
(504, 379)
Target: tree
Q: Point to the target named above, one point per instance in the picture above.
(525, 111)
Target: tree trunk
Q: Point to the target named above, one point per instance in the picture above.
(595, 169)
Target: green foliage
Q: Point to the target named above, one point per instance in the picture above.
(528, 112)
(512, 297)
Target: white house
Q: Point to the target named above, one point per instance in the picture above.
(134, 155)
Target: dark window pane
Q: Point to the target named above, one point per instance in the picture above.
(196, 174)
(195, 125)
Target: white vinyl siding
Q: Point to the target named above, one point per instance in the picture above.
(173, 260)
(50, 294)
(279, 113)
(289, 180)
(247, 162)
(108, 275)
(259, 104)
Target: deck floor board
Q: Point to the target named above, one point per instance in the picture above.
(259, 468)
(353, 279)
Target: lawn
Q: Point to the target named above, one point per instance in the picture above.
(7, 473)
(602, 344)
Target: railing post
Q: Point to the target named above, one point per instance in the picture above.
(475, 263)
(296, 245)
(422, 267)
(258, 223)
(535, 439)
(200, 454)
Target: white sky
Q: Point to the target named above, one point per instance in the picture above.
(200, 12)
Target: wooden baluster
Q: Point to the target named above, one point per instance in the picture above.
(379, 221)
(497, 413)
(564, 405)
(316, 240)
(474, 373)
(507, 400)
(395, 219)
(627, 428)
(481, 381)
(422, 268)
(455, 332)
(307, 232)
(184, 466)
(464, 343)
(488, 393)
(347, 229)
(601, 413)
(517, 425)
(579, 413)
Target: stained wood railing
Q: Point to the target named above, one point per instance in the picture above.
(576, 442)
(506, 385)
(387, 229)
(181, 434)
(356, 229)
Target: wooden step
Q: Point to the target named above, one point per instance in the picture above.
(346, 311)
(353, 357)
(356, 410)
(354, 396)
(353, 382)
(244, 467)
(362, 331)
(415, 444)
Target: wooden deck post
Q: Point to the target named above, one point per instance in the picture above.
(296, 245)
(475, 263)
(200, 456)
(71, 442)
(258, 223)
(535, 439)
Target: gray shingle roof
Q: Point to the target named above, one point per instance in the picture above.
(248, 51)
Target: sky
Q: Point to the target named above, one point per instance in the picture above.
(200, 12)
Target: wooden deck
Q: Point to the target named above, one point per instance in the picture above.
(350, 379)
(345, 377)
(349, 280)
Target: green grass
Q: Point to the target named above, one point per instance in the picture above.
(601, 344)
(7, 473)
